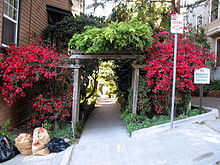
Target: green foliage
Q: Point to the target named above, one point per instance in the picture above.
(60, 33)
(64, 130)
(144, 11)
(199, 38)
(79, 128)
(213, 86)
(48, 127)
(123, 74)
(136, 122)
(88, 86)
(107, 76)
(58, 36)
(119, 36)
(5, 130)
(121, 13)
(144, 102)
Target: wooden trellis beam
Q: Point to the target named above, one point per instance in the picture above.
(107, 56)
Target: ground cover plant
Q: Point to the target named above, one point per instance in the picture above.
(135, 122)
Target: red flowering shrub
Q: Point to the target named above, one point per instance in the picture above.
(32, 71)
(49, 110)
(160, 70)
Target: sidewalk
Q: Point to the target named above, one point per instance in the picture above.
(189, 143)
(104, 123)
(193, 141)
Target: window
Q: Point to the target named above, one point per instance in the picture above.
(10, 22)
(214, 9)
(218, 53)
(199, 22)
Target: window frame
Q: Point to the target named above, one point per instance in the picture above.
(211, 19)
(12, 20)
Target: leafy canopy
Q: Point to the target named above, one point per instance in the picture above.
(118, 36)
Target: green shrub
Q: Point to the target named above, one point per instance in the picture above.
(48, 127)
(213, 86)
(64, 130)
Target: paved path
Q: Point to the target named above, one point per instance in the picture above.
(188, 144)
(104, 123)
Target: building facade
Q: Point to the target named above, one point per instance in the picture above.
(206, 14)
(19, 19)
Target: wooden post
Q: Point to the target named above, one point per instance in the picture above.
(200, 98)
(132, 83)
(76, 96)
(135, 90)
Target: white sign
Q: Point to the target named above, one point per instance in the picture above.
(177, 23)
(202, 76)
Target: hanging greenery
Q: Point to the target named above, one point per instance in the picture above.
(131, 35)
(60, 33)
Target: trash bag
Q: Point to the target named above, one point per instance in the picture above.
(24, 143)
(57, 145)
(40, 139)
(7, 151)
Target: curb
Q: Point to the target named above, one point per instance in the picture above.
(165, 127)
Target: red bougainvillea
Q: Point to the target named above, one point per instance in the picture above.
(160, 68)
(33, 72)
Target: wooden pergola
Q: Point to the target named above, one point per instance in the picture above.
(76, 58)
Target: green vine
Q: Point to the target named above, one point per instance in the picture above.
(119, 36)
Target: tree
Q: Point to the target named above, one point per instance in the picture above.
(150, 12)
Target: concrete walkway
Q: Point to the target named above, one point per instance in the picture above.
(193, 141)
(104, 123)
(105, 142)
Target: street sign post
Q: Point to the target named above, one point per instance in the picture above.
(201, 76)
(176, 27)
